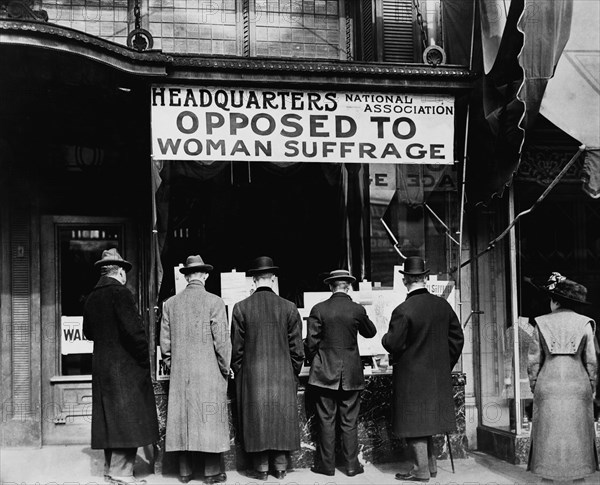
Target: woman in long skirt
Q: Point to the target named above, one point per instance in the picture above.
(562, 369)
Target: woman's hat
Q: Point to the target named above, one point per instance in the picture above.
(559, 286)
(414, 266)
(262, 264)
(195, 264)
(111, 257)
(339, 275)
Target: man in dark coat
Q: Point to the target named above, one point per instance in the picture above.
(425, 340)
(267, 356)
(195, 344)
(336, 373)
(123, 406)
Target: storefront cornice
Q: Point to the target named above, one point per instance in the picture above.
(63, 39)
(213, 69)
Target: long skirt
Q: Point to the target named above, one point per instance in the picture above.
(562, 438)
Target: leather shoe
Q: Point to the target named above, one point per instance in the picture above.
(218, 478)
(322, 471)
(433, 474)
(409, 477)
(279, 474)
(256, 475)
(185, 478)
(355, 471)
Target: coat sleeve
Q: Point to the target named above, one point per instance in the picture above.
(295, 340)
(313, 334)
(220, 335)
(589, 356)
(535, 358)
(456, 338)
(88, 329)
(238, 334)
(131, 328)
(394, 341)
(365, 326)
(165, 336)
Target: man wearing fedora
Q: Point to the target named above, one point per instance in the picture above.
(425, 340)
(195, 344)
(336, 372)
(123, 406)
(267, 356)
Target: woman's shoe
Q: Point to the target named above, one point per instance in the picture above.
(185, 478)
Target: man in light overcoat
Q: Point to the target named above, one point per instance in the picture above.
(425, 340)
(336, 371)
(267, 356)
(123, 406)
(195, 344)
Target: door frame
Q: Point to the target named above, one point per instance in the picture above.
(54, 418)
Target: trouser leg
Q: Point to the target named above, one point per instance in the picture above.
(419, 448)
(280, 460)
(326, 411)
(122, 461)
(212, 464)
(431, 456)
(186, 467)
(260, 461)
(107, 456)
(349, 406)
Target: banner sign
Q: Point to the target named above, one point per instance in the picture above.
(72, 340)
(248, 124)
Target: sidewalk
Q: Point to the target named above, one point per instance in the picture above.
(58, 465)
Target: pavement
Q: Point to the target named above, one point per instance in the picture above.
(77, 465)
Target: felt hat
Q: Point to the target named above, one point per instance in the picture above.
(262, 264)
(339, 275)
(559, 286)
(414, 266)
(195, 264)
(111, 257)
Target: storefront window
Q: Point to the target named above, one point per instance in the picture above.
(79, 248)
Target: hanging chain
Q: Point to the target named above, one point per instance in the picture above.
(420, 23)
(137, 14)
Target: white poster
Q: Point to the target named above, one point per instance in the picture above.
(162, 373)
(283, 125)
(72, 340)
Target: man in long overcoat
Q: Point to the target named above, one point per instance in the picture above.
(123, 405)
(267, 356)
(425, 340)
(195, 344)
(336, 373)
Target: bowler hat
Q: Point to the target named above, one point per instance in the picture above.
(339, 275)
(195, 264)
(262, 264)
(111, 257)
(414, 266)
(559, 286)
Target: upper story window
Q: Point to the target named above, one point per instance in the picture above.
(365, 30)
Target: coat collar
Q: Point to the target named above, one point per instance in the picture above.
(197, 283)
(340, 294)
(107, 281)
(420, 291)
(263, 288)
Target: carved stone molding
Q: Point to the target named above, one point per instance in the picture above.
(542, 165)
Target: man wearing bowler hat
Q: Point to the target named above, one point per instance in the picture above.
(123, 405)
(267, 356)
(336, 372)
(195, 344)
(425, 340)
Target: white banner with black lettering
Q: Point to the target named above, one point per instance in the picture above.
(248, 124)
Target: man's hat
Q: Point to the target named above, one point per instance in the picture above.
(195, 264)
(559, 286)
(111, 257)
(262, 264)
(414, 266)
(339, 275)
